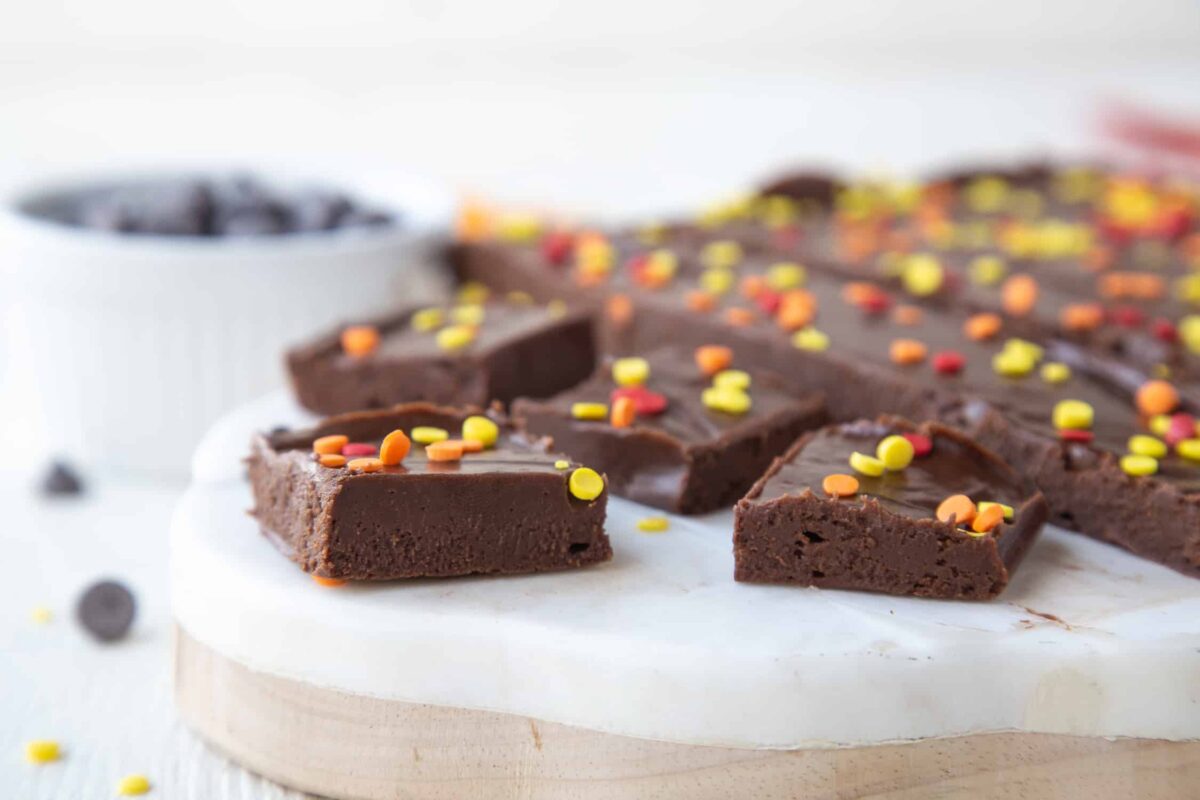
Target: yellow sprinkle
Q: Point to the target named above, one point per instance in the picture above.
(133, 784)
(556, 308)
(562, 463)
(651, 233)
(1160, 424)
(424, 434)
(473, 292)
(585, 483)
(1139, 465)
(1012, 364)
(922, 275)
(481, 429)
(987, 194)
(1187, 289)
(867, 465)
(467, 314)
(1142, 445)
(987, 270)
(721, 254)
(427, 319)
(1055, 372)
(716, 281)
(630, 371)
(1008, 510)
(1189, 449)
(594, 255)
(782, 277)
(518, 227)
(42, 751)
(661, 266)
(726, 399)
(653, 524)
(41, 615)
(455, 337)
(589, 410)
(895, 452)
(1189, 332)
(732, 379)
(811, 339)
(1072, 415)
(518, 298)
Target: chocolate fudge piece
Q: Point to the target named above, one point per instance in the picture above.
(886, 536)
(679, 453)
(509, 508)
(468, 354)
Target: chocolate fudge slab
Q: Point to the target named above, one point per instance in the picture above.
(886, 538)
(504, 510)
(689, 458)
(517, 349)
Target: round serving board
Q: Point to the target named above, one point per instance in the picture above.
(673, 677)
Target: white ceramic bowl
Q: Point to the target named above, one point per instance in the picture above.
(122, 349)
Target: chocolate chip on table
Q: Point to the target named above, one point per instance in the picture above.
(61, 480)
(106, 610)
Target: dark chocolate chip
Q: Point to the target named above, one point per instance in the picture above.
(106, 610)
(61, 481)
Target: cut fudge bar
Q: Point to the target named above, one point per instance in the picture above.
(842, 509)
(361, 497)
(465, 354)
(696, 440)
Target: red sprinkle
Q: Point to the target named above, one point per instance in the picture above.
(1076, 435)
(637, 265)
(556, 246)
(876, 302)
(358, 450)
(768, 300)
(1183, 426)
(1127, 316)
(922, 445)
(948, 362)
(1171, 223)
(645, 402)
(1164, 330)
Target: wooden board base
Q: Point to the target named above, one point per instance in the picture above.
(362, 748)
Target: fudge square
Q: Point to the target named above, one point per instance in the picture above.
(469, 353)
(888, 506)
(678, 430)
(424, 491)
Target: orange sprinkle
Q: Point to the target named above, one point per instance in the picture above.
(839, 485)
(982, 326)
(1148, 287)
(1019, 294)
(701, 301)
(752, 286)
(712, 358)
(797, 309)
(332, 460)
(394, 448)
(1156, 397)
(858, 292)
(624, 411)
(474, 222)
(989, 518)
(1081, 316)
(739, 317)
(371, 464)
(957, 508)
(331, 583)
(908, 315)
(360, 340)
(328, 445)
(619, 309)
(1098, 259)
(1133, 285)
(447, 450)
(907, 351)
(469, 445)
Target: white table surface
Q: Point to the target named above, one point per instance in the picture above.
(109, 706)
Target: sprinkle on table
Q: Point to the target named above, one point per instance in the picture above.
(590, 411)
(867, 465)
(653, 524)
(133, 785)
(426, 434)
(585, 484)
(896, 452)
(957, 508)
(42, 751)
(394, 448)
(480, 429)
(1157, 397)
(631, 371)
(328, 583)
(712, 358)
(330, 445)
(839, 485)
(1138, 465)
(359, 341)
(1072, 415)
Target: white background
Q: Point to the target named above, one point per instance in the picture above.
(613, 107)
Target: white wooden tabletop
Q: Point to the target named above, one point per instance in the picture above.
(109, 706)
